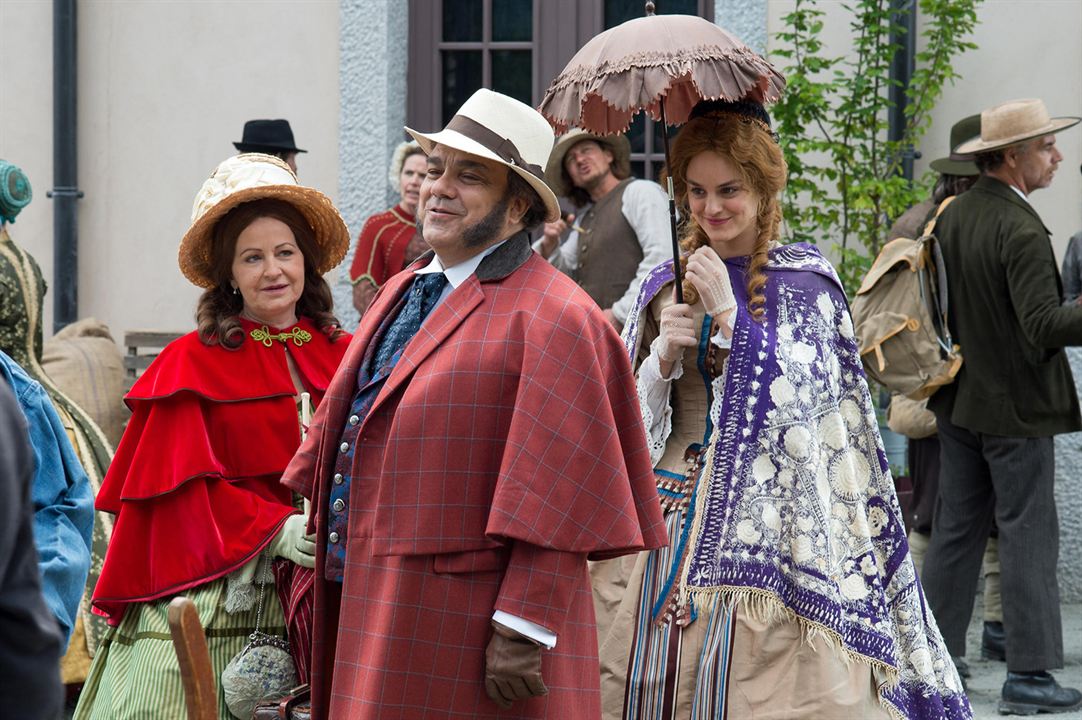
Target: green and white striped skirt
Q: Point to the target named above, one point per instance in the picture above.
(135, 675)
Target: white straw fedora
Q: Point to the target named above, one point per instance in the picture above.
(497, 127)
(1012, 122)
(254, 176)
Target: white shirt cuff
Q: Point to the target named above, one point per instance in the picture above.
(531, 630)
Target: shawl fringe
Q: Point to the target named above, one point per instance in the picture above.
(765, 607)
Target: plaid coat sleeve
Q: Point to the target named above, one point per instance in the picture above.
(575, 472)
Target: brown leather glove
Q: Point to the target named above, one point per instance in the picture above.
(512, 667)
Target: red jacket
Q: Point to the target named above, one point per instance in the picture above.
(381, 246)
(194, 481)
(510, 421)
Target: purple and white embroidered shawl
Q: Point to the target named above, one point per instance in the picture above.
(799, 500)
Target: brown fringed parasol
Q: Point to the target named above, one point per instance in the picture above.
(663, 65)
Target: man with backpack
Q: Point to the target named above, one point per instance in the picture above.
(1013, 393)
(911, 418)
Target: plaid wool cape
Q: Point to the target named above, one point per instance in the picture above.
(505, 449)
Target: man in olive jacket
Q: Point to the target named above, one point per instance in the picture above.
(1013, 394)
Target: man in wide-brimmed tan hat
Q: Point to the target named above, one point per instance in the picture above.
(480, 441)
(620, 228)
(957, 173)
(1013, 394)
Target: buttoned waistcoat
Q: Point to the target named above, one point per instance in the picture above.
(609, 249)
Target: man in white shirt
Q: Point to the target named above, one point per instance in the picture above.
(620, 230)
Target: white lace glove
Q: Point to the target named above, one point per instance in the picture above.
(678, 331)
(706, 271)
(293, 544)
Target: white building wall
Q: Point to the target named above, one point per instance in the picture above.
(374, 47)
(164, 87)
(1024, 49)
(26, 139)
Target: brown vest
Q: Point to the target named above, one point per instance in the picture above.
(609, 250)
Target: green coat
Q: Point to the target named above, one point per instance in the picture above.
(1004, 303)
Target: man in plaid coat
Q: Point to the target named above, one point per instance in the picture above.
(480, 442)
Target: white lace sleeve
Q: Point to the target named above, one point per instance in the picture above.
(654, 392)
(717, 385)
(719, 339)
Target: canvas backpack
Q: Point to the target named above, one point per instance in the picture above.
(900, 317)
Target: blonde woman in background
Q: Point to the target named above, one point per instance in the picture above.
(390, 240)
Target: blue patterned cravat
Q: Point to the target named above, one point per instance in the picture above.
(423, 294)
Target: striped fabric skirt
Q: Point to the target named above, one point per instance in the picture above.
(650, 669)
(733, 660)
(135, 675)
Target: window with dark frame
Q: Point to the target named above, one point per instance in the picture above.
(516, 47)
(459, 46)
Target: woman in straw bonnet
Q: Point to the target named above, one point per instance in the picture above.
(787, 589)
(194, 485)
(390, 240)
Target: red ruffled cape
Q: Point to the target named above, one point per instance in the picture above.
(195, 481)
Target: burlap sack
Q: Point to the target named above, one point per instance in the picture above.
(911, 418)
(86, 364)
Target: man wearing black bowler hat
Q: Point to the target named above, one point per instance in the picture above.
(273, 137)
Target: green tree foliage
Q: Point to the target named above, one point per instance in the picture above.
(845, 181)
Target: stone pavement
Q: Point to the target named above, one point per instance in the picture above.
(988, 676)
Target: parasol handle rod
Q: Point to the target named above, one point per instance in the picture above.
(672, 203)
(306, 413)
(306, 420)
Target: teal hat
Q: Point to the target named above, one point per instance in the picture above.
(15, 192)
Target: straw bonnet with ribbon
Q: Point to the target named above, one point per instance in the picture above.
(1013, 122)
(15, 192)
(555, 173)
(499, 128)
(960, 163)
(254, 176)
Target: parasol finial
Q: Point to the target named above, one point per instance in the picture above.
(649, 9)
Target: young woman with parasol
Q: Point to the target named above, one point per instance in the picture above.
(787, 588)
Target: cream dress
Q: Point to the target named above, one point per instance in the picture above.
(743, 659)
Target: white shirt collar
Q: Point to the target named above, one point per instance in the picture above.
(1020, 193)
(458, 274)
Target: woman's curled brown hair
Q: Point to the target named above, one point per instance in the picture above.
(219, 307)
(750, 146)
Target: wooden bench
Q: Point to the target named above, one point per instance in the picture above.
(143, 346)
